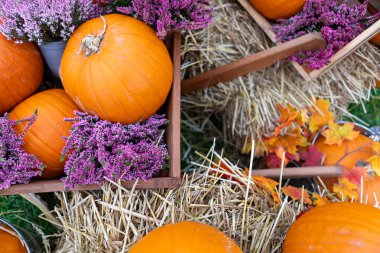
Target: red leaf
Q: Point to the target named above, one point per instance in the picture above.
(354, 175)
(312, 157)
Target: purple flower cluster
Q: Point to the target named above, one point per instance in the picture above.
(338, 23)
(16, 166)
(44, 21)
(167, 15)
(97, 148)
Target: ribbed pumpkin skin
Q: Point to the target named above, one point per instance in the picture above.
(335, 154)
(127, 80)
(44, 138)
(337, 227)
(185, 237)
(10, 243)
(21, 71)
(276, 9)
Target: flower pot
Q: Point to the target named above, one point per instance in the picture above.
(52, 53)
(30, 244)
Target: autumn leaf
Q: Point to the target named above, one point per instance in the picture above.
(290, 141)
(376, 147)
(291, 114)
(320, 115)
(297, 194)
(355, 174)
(267, 184)
(346, 188)
(318, 200)
(224, 171)
(375, 163)
(336, 133)
(312, 157)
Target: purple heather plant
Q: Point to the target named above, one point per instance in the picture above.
(166, 15)
(16, 165)
(338, 23)
(44, 21)
(97, 149)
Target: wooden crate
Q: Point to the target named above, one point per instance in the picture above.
(338, 57)
(173, 112)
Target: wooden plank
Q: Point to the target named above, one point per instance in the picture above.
(312, 41)
(174, 112)
(302, 172)
(55, 185)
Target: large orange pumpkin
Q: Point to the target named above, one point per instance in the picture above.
(10, 243)
(125, 78)
(346, 155)
(21, 70)
(336, 227)
(185, 237)
(277, 9)
(44, 138)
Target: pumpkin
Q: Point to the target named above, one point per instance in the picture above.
(21, 71)
(277, 9)
(336, 227)
(44, 138)
(185, 237)
(376, 40)
(125, 76)
(10, 243)
(346, 155)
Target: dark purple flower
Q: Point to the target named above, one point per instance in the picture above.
(16, 166)
(97, 148)
(338, 23)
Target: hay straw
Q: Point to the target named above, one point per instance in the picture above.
(113, 219)
(247, 104)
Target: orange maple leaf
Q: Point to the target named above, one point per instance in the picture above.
(267, 184)
(290, 141)
(297, 194)
(346, 188)
(318, 200)
(376, 147)
(291, 114)
(375, 163)
(280, 152)
(320, 115)
(355, 174)
(336, 133)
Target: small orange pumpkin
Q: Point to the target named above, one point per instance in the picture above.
(278, 9)
(123, 77)
(336, 227)
(376, 40)
(185, 237)
(21, 70)
(10, 243)
(44, 138)
(346, 155)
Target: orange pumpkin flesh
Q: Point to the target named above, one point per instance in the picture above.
(277, 9)
(185, 237)
(21, 71)
(10, 243)
(336, 227)
(127, 80)
(44, 138)
(346, 155)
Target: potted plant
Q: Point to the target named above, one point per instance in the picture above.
(49, 23)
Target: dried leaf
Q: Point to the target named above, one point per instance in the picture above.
(290, 141)
(375, 163)
(312, 157)
(291, 114)
(336, 133)
(355, 174)
(297, 194)
(346, 188)
(318, 200)
(267, 184)
(320, 116)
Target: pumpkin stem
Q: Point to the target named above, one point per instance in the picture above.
(92, 42)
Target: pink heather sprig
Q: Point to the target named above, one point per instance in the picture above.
(97, 148)
(44, 21)
(338, 23)
(16, 165)
(166, 15)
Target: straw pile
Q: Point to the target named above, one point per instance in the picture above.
(113, 219)
(247, 104)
